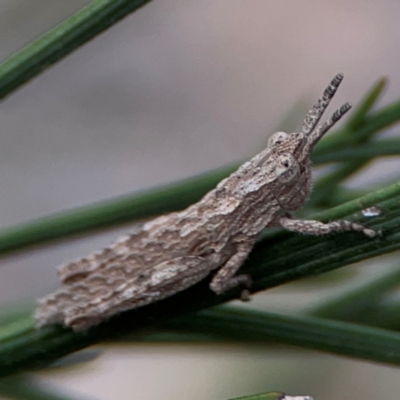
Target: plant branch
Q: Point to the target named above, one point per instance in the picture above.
(271, 396)
(58, 42)
(110, 213)
(346, 339)
(369, 150)
(275, 260)
(24, 388)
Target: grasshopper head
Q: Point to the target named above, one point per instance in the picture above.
(287, 159)
(292, 150)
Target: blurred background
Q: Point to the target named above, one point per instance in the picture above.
(178, 88)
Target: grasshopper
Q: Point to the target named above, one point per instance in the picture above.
(172, 252)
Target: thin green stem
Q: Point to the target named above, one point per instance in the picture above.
(359, 130)
(368, 200)
(62, 40)
(366, 304)
(265, 396)
(351, 340)
(369, 150)
(357, 117)
(325, 187)
(343, 195)
(110, 213)
(24, 388)
(373, 123)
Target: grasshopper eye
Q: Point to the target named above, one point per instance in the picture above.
(277, 138)
(287, 168)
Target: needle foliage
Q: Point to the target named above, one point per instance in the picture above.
(359, 324)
